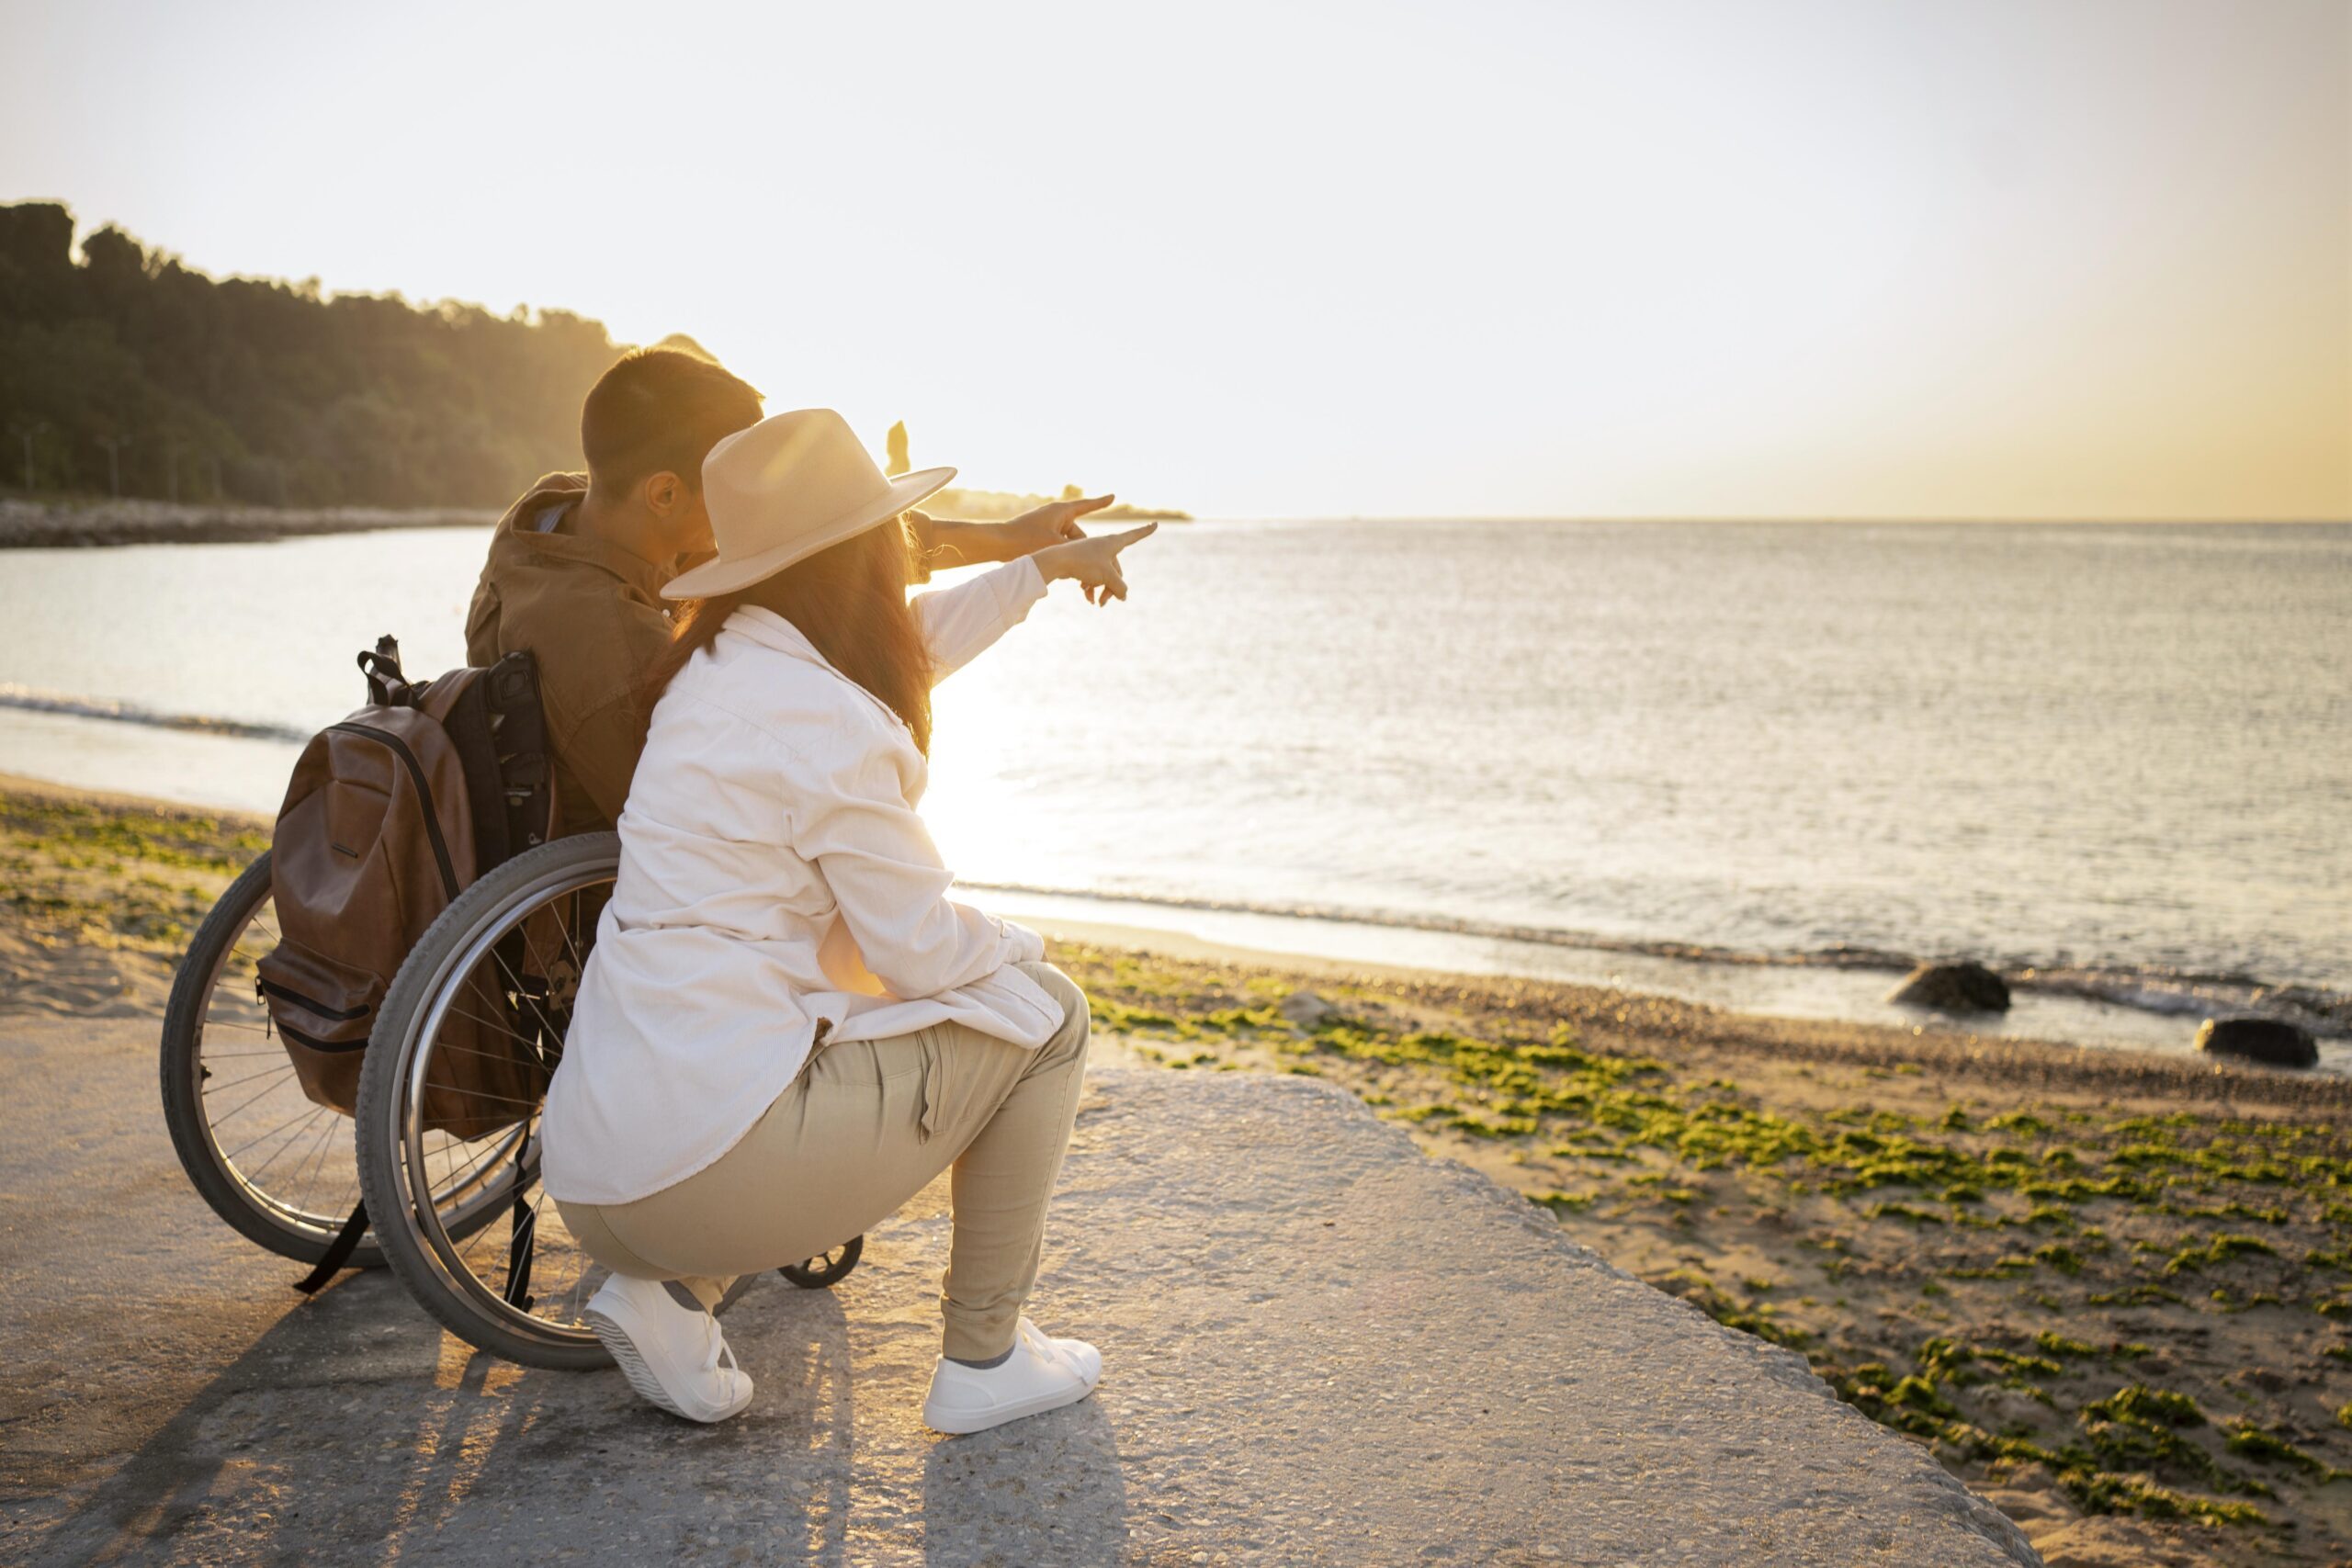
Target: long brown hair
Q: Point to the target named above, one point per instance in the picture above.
(850, 601)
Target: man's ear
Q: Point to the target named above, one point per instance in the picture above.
(665, 493)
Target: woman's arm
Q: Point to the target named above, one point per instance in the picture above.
(959, 623)
(886, 876)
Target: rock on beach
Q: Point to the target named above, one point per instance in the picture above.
(2270, 1039)
(1952, 987)
(1306, 1009)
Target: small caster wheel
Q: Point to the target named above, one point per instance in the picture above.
(827, 1269)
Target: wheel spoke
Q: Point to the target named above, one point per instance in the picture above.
(470, 1165)
(256, 1098)
(294, 1134)
(303, 1173)
(508, 1029)
(273, 1074)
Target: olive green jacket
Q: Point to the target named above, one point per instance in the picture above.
(592, 617)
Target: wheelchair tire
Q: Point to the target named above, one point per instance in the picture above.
(206, 988)
(459, 1278)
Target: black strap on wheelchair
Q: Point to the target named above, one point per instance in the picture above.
(338, 1252)
(519, 1249)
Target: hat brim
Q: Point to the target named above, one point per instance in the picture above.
(722, 576)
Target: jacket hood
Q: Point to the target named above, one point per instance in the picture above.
(516, 542)
(548, 489)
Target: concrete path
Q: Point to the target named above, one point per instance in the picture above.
(1320, 1347)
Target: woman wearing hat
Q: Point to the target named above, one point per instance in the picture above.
(787, 1027)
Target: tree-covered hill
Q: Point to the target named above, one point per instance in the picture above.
(126, 364)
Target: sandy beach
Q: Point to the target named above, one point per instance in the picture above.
(2107, 1290)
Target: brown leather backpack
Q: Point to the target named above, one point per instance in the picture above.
(391, 813)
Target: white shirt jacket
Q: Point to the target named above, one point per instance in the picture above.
(775, 879)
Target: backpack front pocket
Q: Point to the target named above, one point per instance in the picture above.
(323, 1011)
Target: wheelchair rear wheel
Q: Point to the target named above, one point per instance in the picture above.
(278, 1168)
(520, 935)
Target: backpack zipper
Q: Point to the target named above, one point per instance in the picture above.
(341, 1015)
(313, 1043)
(424, 792)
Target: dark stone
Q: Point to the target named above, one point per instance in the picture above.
(2269, 1040)
(1952, 987)
(1307, 1010)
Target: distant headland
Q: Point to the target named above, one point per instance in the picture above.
(992, 505)
(143, 400)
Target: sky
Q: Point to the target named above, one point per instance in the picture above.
(1777, 258)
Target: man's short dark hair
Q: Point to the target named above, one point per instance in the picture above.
(660, 411)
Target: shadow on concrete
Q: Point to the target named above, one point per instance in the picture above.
(355, 1429)
(1047, 1491)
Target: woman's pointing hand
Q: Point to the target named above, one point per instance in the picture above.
(1093, 564)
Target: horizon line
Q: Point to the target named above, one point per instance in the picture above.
(1921, 519)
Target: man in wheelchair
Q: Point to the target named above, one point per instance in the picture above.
(577, 565)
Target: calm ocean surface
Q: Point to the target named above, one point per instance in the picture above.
(2119, 756)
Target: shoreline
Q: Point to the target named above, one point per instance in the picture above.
(2022, 1062)
(99, 745)
(2152, 1011)
(2111, 1291)
(106, 523)
(1946, 1044)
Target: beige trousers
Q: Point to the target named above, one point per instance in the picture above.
(865, 1127)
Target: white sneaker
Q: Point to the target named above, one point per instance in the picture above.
(669, 1352)
(1042, 1373)
(1078, 1352)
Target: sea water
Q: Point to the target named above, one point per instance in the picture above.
(2118, 756)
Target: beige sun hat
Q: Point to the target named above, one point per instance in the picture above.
(786, 488)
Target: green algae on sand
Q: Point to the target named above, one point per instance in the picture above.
(1990, 1265)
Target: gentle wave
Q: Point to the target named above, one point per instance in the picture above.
(30, 700)
(2154, 989)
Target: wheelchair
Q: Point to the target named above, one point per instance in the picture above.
(462, 1223)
